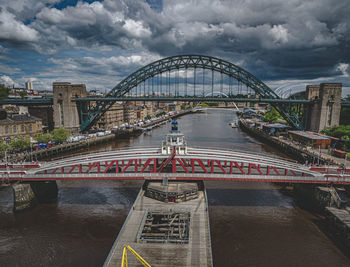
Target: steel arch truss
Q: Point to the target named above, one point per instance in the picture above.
(201, 164)
(183, 62)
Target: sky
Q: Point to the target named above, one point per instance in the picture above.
(286, 44)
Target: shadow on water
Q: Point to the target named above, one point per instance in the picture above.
(97, 195)
(247, 197)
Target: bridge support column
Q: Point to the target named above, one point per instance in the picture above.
(27, 195)
(325, 112)
(65, 110)
(23, 197)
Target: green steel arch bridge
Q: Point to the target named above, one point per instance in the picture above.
(191, 78)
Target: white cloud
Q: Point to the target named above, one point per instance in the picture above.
(279, 34)
(343, 68)
(136, 29)
(15, 31)
(275, 39)
(7, 80)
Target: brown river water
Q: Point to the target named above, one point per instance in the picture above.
(252, 224)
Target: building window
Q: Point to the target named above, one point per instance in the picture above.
(30, 127)
(22, 128)
(6, 129)
(14, 128)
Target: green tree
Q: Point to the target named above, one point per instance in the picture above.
(60, 135)
(4, 91)
(43, 138)
(20, 143)
(272, 116)
(212, 104)
(22, 94)
(160, 114)
(338, 131)
(148, 117)
(342, 132)
(3, 146)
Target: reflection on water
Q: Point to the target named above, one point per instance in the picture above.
(252, 224)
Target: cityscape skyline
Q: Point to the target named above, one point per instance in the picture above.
(99, 43)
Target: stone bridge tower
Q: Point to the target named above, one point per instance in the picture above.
(64, 108)
(325, 112)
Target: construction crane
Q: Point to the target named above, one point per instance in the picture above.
(125, 258)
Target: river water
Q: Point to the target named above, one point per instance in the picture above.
(252, 224)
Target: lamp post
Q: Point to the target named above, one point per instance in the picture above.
(31, 148)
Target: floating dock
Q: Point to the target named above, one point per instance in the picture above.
(174, 233)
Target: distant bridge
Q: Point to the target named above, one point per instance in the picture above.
(196, 98)
(196, 164)
(207, 98)
(169, 86)
(27, 101)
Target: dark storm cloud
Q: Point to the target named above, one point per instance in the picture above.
(274, 39)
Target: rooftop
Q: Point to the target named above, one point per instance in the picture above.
(18, 118)
(310, 135)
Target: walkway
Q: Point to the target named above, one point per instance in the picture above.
(196, 253)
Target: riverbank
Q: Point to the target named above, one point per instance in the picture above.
(85, 144)
(325, 201)
(300, 153)
(157, 122)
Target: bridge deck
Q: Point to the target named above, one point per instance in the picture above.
(196, 253)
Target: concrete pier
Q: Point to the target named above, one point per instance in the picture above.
(24, 197)
(196, 251)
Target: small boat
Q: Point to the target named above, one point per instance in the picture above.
(233, 124)
(149, 128)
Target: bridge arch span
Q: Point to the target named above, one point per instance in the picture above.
(166, 65)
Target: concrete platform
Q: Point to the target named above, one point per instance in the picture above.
(196, 253)
(342, 215)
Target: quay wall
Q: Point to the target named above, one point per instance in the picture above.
(337, 220)
(296, 153)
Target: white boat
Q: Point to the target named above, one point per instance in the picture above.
(233, 124)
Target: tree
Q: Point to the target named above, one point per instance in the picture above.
(22, 94)
(272, 115)
(338, 131)
(21, 143)
(43, 138)
(342, 132)
(60, 135)
(4, 91)
(160, 114)
(3, 146)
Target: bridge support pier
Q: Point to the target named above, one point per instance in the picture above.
(23, 197)
(27, 195)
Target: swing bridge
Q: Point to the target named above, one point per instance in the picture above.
(174, 160)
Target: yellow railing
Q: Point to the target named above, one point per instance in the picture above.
(125, 257)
